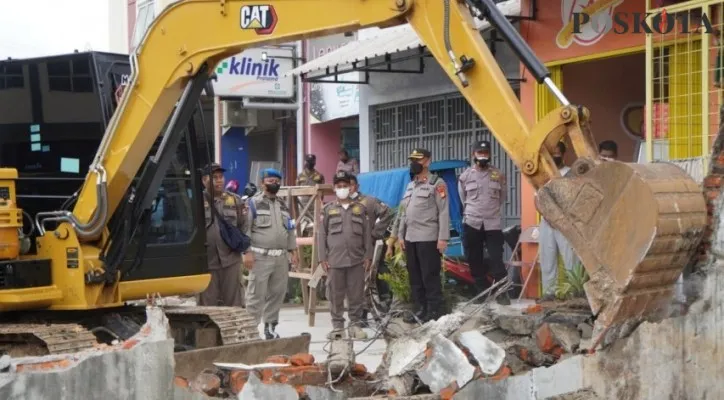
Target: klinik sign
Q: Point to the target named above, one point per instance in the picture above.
(585, 22)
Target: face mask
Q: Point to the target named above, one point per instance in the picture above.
(272, 188)
(310, 165)
(483, 162)
(558, 161)
(342, 193)
(415, 168)
(344, 159)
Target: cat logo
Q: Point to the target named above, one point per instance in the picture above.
(261, 18)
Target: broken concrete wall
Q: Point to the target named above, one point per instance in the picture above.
(676, 358)
(141, 368)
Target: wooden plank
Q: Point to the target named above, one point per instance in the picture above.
(300, 275)
(315, 260)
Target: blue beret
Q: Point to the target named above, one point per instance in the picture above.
(270, 173)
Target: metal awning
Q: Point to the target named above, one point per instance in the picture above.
(355, 56)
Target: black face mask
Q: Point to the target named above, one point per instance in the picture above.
(310, 165)
(415, 168)
(483, 162)
(558, 161)
(272, 188)
(344, 159)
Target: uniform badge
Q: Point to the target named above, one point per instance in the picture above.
(495, 175)
(441, 191)
(229, 201)
(333, 211)
(356, 210)
(316, 177)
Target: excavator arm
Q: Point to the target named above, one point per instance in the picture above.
(632, 263)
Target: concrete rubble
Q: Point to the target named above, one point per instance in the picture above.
(541, 351)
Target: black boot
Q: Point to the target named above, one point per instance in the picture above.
(269, 332)
(364, 322)
(419, 315)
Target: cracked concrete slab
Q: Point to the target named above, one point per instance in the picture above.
(490, 356)
(445, 365)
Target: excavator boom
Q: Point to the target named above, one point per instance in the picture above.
(633, 226)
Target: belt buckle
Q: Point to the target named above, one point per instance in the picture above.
(275, 253)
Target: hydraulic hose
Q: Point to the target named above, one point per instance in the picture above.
(95, 225)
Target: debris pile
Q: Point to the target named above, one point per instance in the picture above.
(281, 377)
(443, 356)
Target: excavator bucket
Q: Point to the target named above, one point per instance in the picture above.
(634, 227)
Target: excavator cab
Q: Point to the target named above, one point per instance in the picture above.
(62, 106)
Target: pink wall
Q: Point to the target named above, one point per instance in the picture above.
(131, 22)
(606, 89)
(325, 141)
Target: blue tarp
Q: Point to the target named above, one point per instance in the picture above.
(389, 185)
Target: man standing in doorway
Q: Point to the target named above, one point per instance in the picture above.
(224, 288)
(379, 218)
(608, 150)
(551, 242)
(483, 191)
(310, 176)
(423, 233)
(347, 164)
(345, 253)
(273, 246)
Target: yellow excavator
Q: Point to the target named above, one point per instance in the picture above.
(634, 226)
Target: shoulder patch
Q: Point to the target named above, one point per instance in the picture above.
(229, 200)
(357, 209)
(441, 190)
(495, 175)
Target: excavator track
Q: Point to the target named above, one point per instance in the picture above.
(235, 325)
(19, 340)
(192, 327)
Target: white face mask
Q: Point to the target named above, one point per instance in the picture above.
(342, 193)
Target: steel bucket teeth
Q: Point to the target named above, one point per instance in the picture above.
(634, 227)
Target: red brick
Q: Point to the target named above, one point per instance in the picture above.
(448, 392)
(278, 359)
(523, 354)
(502, 373)
(129, 344)
(237, 380)
(267, 374)
(206, 383)
(533, 309)
(45, 366)
(544, 338)
(302, 359)
(180, 382)
(359, 370)
(713, 181)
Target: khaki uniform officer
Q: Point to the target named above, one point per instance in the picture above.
(379, 218)
(309, 177)
(273, 242)
(482, 191)
(224, 289)
(423, 232)
(345, 251)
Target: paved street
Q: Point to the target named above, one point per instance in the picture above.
(293, 321)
